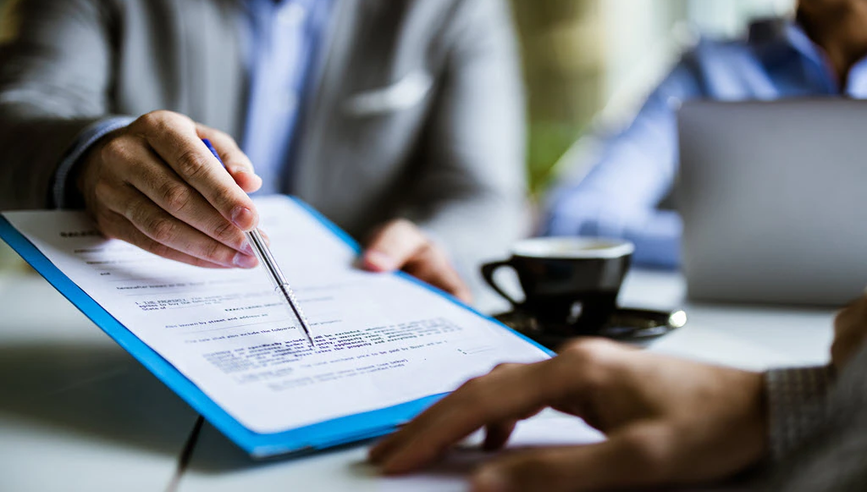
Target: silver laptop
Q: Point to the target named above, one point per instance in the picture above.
(774, 200)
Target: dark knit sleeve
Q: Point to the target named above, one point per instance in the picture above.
(797, 405)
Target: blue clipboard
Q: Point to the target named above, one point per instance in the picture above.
(322, 435)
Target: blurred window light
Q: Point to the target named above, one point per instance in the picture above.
(645, 37)
(641, 40)
(731, 17)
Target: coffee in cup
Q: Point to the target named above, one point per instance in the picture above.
(570, 281)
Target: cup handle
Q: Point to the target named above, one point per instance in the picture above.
(488, 270)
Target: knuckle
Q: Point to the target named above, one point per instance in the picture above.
(102, 190)
(161, 230)
(160, 122)
(226, 232)
(114, 150)
(158, 117)
(191, 164)
(504, 366)
(585, 350)
(214, 251)
(401, 227)
(134, 212)
(474, 391)
(588, 358)
(159, 249)
(106, 226)
(472, 386)
(650, 453)
(428, 250)
(175, 197)
(405, 223)
(153, 119)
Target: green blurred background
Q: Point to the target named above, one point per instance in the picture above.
(583, 56)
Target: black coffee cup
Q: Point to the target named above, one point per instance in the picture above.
(567, 280)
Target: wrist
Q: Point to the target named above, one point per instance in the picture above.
(84, 169)
(65, 192)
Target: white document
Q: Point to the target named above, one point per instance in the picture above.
(381, 339)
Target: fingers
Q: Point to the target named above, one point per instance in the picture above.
(114, 225)
(402, 245)
(850, 331)
(159, 227)
(176, 141)
(160, 177)
(507, 394)
(164, 188)
(393, 245)
(639, 456)
(431, 265)
(498, 434)
(237, 163)
(501, 396)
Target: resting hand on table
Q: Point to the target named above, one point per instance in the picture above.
(400, 245)
(850, 332)
(667, 421)
(156, 185)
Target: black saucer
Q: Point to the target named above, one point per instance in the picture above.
(634, 326)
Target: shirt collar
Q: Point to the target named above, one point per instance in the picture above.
(856, 83)
(797, 38)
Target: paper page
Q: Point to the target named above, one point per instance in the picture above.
(380, 339)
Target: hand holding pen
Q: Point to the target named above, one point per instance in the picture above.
(269, 264)
(154, 184)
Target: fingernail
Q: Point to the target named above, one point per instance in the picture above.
(248, 249)
(489, 480)
(244, 261)
(380, 261)
(242, 217)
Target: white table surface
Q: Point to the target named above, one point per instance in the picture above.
(78, 413)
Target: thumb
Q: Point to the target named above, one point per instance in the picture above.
(393, 245)
(628, 459)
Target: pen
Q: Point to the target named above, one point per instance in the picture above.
(263, 253)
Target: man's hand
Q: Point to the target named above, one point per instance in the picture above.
(400, 245)
(668, 421)
(850, 332)
(156, 185)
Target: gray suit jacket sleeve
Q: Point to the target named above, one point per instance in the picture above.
(470, 189)
(54, 77)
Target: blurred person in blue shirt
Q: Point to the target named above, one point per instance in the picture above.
(819, 53)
